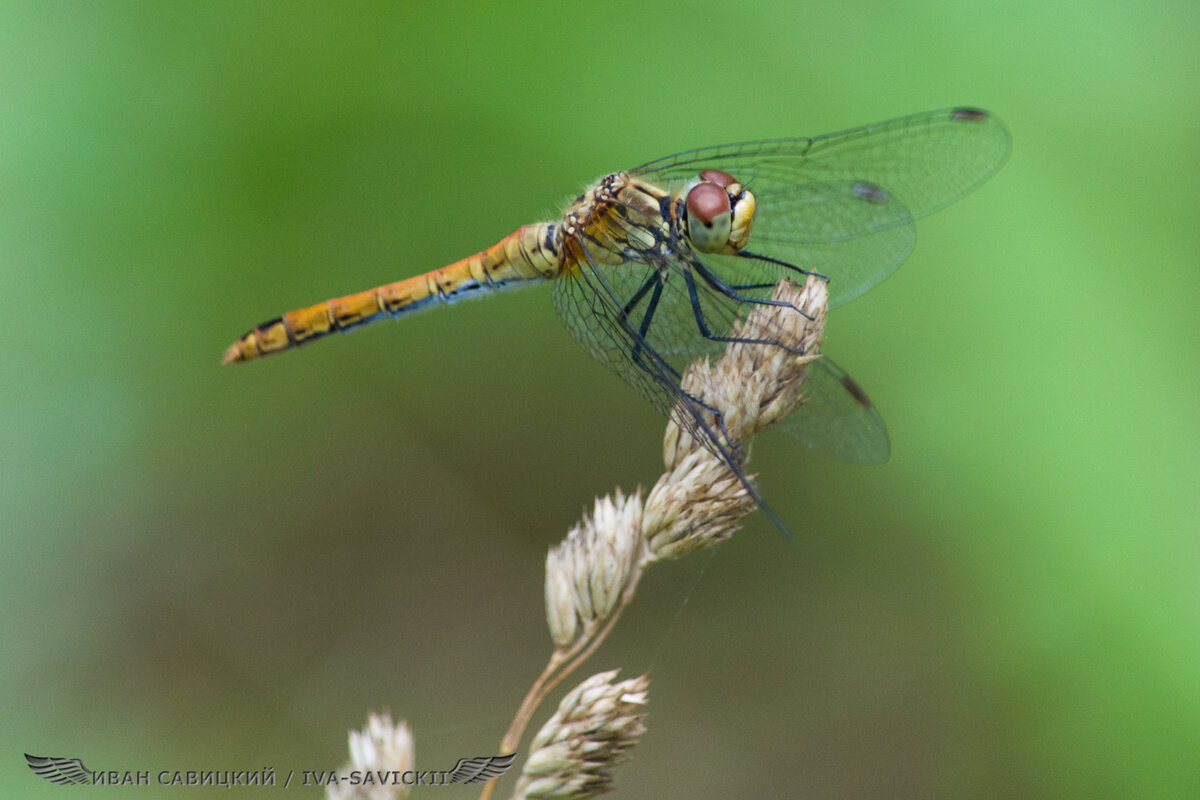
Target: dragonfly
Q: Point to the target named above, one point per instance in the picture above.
(655, 266)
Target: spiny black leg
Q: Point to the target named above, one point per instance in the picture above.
(640, 348)
(741, 287)
(648, 360)
(637, 297)
(778, 263)
(648, 317)
(702, 323)
(715, 282)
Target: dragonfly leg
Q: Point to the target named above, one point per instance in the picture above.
(655, 283)
(778, 263)
(654, 280)
(702, 323)
(741, 287)
(733, 293)
(651, 307)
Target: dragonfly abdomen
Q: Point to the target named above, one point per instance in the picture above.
(530, 254)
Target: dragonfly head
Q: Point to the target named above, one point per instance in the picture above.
(719, 213)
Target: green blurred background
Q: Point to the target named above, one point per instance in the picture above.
(225, 568)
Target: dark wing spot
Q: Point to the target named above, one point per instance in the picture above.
(856, 391)
(871, 192)
(969, 115)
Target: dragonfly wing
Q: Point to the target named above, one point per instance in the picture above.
(927, 160)
(589, 301)
(672, 302)
(595, 303)
(837, 417)
(646, 313)
(852, 232)
(872, 178)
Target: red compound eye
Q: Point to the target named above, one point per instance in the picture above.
(721, 179)
(707, 202)
(709, 219)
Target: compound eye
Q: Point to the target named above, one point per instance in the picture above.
(708, 216)
(722, 179)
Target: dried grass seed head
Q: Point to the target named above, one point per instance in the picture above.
(381, 746)
(588, 571)
(699, 501)
(574, 753)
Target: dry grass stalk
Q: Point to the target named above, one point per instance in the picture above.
(593, 574)
(696, 503)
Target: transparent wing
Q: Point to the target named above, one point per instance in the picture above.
(837, 417)
(613, 311)
(603, 307)
(637, 307)
(645, 315)
(852, 232)
(843, 204)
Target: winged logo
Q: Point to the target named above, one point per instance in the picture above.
(480, 769)
(63, 771)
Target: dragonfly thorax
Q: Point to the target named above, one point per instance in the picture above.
(624, 217)
(621, 218)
